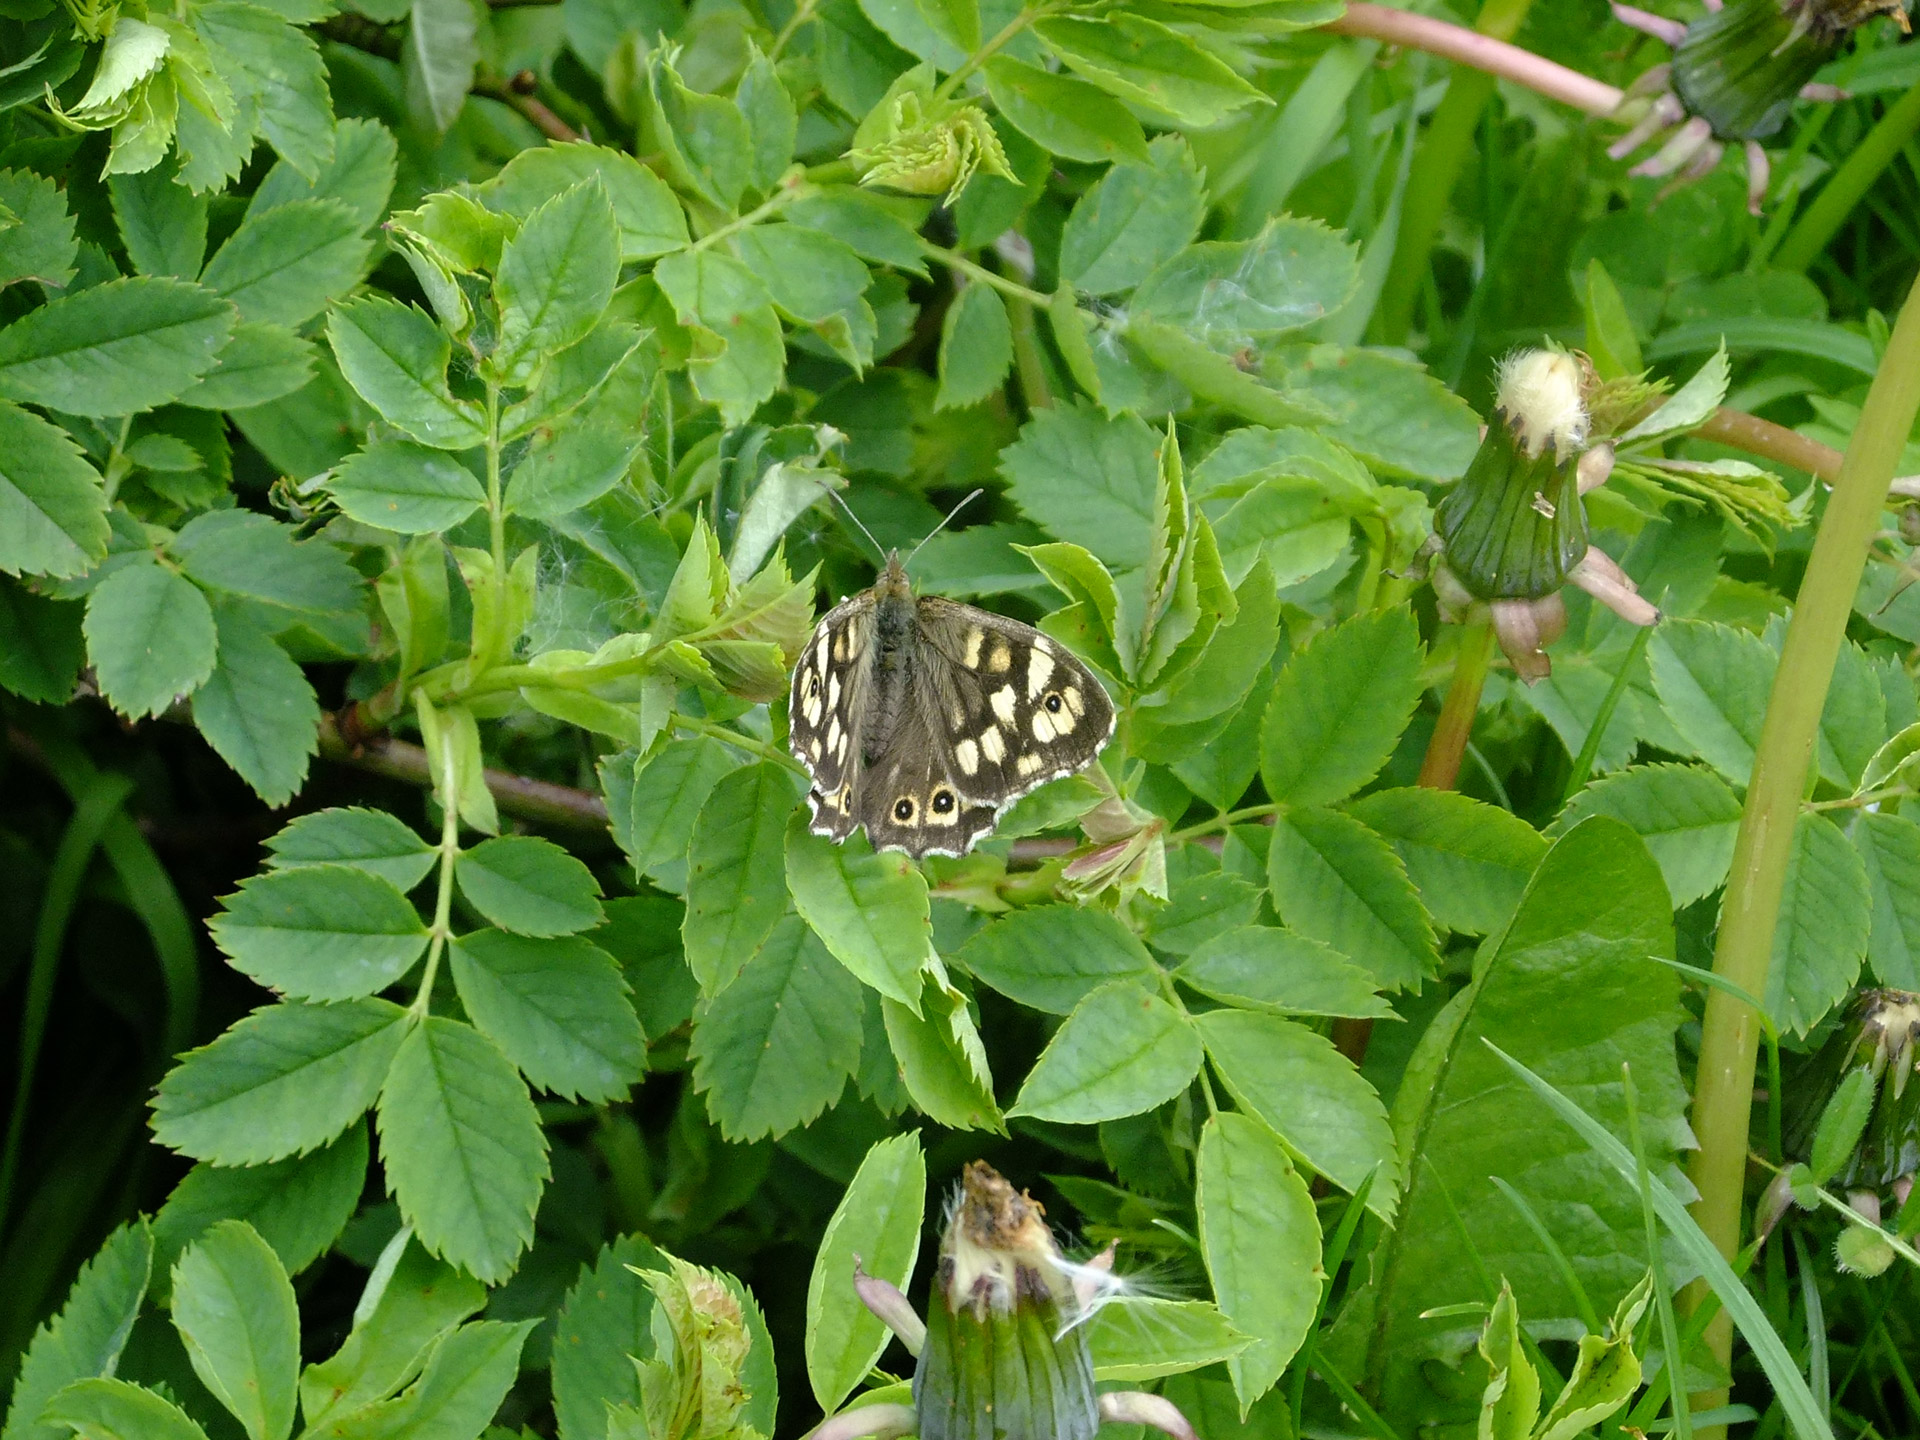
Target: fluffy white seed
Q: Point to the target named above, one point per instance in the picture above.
(1540, 394)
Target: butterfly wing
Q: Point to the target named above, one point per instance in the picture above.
(827, 709)
(908, 799)
(1010, 708)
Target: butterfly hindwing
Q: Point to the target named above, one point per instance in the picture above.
(826, 711)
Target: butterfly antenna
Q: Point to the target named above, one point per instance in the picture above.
(879, 549)
(944, 523)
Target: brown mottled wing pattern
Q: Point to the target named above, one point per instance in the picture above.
(825, 711)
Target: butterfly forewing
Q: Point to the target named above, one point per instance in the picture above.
(922, 718)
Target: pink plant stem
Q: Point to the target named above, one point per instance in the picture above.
(1482, 52)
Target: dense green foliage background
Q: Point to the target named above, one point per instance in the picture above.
(477, 375)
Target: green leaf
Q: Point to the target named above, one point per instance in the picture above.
(1136, 216)
(1333, 879)
(1610, 340)
(369, 840)
(1606, 1372)
(1227, 294)
(1826, 911)
(573, 467)
(1510, 1404)
(1469, 861)
(1339, 706)
(299, 1206)
(1122, 1051)
(442, 52)
(397, 485)
(411, 1302)
(1261, 968)
(651, 221)
(1049, 957)
(557, 1007)
(1309, 1094)
(869, 910)
(771, 121)
(604, 1325)
(1261, 1239)
(555, 279)
(737, 871)
(976, 348)
(85, 1339)
(1202, 906)
(279, 65)
(1082, 474)
(739, 353)
(41, 647)
(460, 1390)
(1686, 815)
(1713, 682)
(462, 1146)
(1142, 1338)
(776, 1046)
(108, 1409)
(53, 508)
(283, 265)
(259, 364)
(234, 1308)
(1889, 846)
(864, 223)
(320, 932)
(1067, 116)
(703, 139)
(151, 638)
(396, 358)
(360, 174)
(530, 886)
(941, 1060)
(1149, 64)
(256, 709)
(114, 349)
(1569, 986)
(876, 1226)
(283, 1081)
(668, 792)
(1390, 412)
(249, 555)
(40, 245)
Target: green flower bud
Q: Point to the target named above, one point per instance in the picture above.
(928, 147)
(693, 1391)
(1741, 68)
(1513, 527)
(1006, 1357)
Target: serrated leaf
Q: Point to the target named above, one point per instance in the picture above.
(1334, 880)
(869, 910)
(234, 1308)
(256, 709)
(369, 840)
(85, 1339)
(1469, 861)
(1087, 477)
(40, 244)
(1889, 845)
(397, 485)
(737, 871)
(114, 349)
(1339, 706)
(1687, 816)
(555, 278)
(604, 1326)
(1261, 968)
(777, 1045)
(1049, 957)
(283, 265)
(1821, 936)
(53, 507)
(1713, 682)
(463, 1147)
(1067, 116)
(322, 932)
(151, 638)
(530, 886)
(877, 1227)
(559, 1008)
(1122, 1051)
(1136, 216)
(107, 1409)
(1149, 64)
(396, 358)
(285, 1080)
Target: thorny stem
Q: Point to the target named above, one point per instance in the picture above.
(1730, 1031)
(1482, 52)
(1848, 185)
(1441, 767)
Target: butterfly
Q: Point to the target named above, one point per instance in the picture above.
(922, 719)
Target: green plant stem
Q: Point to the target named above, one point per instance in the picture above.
(734, 738)
(954, 260)
(1436, 168)
(1730, 1032)
(1441, 767)
(990, 48)
(1029, 363)
(794, 187)
(1849, 185)
(1603, 717)
(802, 13)
(1225, 820)
(446, 787)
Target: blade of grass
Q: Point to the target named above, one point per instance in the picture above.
(1662, 1295)
(1699, 1250)
(1819, 1377)
(1355, 1401)
(1588, 1315)
(1603, 717)
(1332, 1258)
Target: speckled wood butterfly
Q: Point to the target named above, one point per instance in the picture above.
(922, 718)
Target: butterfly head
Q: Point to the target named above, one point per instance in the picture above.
(893, 580)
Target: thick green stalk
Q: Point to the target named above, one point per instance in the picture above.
(1730, 1036)
(1441, 767)
(1849, 184)
(1436, 167)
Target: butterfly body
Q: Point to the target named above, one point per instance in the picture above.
(921, 719)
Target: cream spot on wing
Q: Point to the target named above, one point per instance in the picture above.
(1001, 660)
(1042, 726)
(1028, 765)
(1074, 701)
(1039, 668)
(846, 799)
(992, 745)
(833, 691)
(957, 716)
(840, 750)
(1002, 702)
(1061, 719)
(820, 652)
(968, 755)
(813, 749)
(833, 733)
(840, 647)
(813, 709)
(974, 637)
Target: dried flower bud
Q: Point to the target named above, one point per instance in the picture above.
(1005, 1358)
